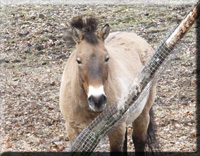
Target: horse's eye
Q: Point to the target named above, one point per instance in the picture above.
(78, 61)
(107, 59)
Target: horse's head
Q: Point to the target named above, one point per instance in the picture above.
(92, 60)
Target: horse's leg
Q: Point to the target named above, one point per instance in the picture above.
(71, 132)
(116, 138)
(125, 144)
(140, 125)
(139, 135)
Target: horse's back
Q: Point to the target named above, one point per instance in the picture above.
(130, 42)
(128, 53)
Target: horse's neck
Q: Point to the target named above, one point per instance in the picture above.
(112, 88)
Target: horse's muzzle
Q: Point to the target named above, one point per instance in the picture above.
(97, 103)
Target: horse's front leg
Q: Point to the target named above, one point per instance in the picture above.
(141, 124)
(117, 137)
(139, 135)
(72, 132)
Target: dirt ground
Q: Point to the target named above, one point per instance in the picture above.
(33, 55)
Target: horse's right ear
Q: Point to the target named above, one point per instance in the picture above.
(76, 35)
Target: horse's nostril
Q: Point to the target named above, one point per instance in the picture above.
(104, 99)
(90, 99)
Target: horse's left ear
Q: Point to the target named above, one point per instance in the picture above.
(104, 32)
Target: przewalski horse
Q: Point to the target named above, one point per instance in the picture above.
(100, 69)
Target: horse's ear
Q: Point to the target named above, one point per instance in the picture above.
(104, 32)
(76, 35)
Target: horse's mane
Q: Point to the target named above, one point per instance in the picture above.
(88, 26)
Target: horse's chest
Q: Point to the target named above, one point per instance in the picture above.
(83, 118)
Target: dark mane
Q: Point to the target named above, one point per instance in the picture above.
(88, 26)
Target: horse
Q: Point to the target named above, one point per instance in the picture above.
(98, 71)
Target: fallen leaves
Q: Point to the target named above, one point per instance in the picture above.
(9, 143)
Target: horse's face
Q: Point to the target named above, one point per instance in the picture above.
(92, 63)
(92, 60)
